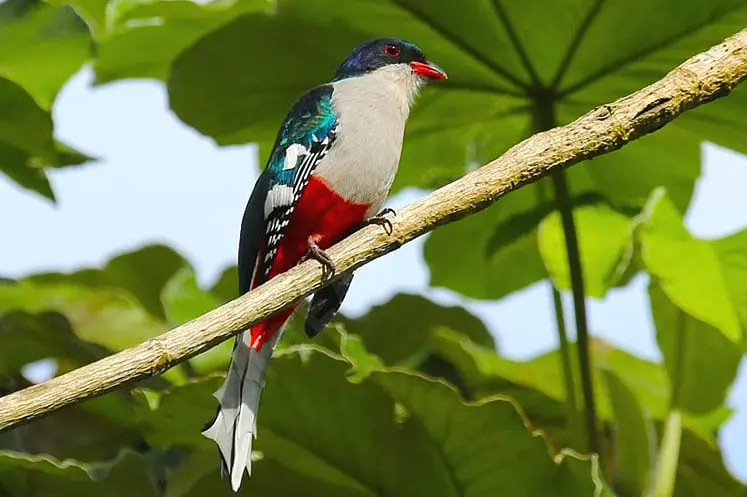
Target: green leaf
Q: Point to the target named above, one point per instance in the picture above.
(509, 268)
(702, 277)
(635, 445)
(94, 430)
(701, 363)
(24, 474)
(422, 433)
(355, 436)
(197, 477)
(698, 305)
(141, 39)
(107, 317)
(179, 414)
(534, 383)
(143, 273)
(390, 332)
(184, 300)
(15, 164)
(27, 338)
(701, 471)
(606, 244)
(489, 102)
(41, 46)
(226, 287)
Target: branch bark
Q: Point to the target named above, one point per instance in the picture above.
(700, 79)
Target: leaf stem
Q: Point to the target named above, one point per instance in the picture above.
(544, 119)
(562, 199)
(569, 378)
(666, 468)
(666, 472)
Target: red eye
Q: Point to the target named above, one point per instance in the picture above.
(391, 50)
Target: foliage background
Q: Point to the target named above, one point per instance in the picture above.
(160, 181)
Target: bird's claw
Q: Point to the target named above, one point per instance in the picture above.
(328, 267)
(380, 220)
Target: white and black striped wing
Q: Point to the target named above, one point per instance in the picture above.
(282, 198)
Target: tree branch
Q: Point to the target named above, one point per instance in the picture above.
(705, 77)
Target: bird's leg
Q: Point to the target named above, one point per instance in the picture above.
(380, 219)
(319, 255)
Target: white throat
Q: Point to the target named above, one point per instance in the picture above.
(372, 111)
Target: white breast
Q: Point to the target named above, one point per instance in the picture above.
(372, 111)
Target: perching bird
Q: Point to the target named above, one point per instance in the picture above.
(330, 171)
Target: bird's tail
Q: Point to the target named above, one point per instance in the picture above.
(235, 425)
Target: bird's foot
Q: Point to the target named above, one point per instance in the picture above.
(328, 267)
(380, 219)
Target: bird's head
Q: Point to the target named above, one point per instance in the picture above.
(396, 58)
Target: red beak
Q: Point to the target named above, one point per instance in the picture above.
(428, 70)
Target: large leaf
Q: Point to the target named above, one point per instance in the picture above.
(140, 39)
(698, 303)
(143, 273)
(537, 389)
(28, 338)
(178, 415)
(705, 278)
(702, 363)
(197, 477)
(22, 475)
(536, 386)
(184, 300)
(635, 447)
(41, 46)
(606, 244)
(107, 317)
(356, 435)
(401, 328)
(509, 64)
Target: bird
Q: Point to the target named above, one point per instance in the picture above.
(329, 173)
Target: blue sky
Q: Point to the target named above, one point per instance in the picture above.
(160, 181)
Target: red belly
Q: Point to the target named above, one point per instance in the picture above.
(320, 214)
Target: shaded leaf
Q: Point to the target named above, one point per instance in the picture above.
(22, 475)
(27, 338)
(510, 267)
(178, 415)
(701, 363)
(634, 438)
(226, 287)
(353, 437)
(701, 471)
(198, 476)
(184, 300)
(424, 438)
(401, 328)
(536, 383)
(536, 386)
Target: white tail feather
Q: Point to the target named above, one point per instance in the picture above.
(235, 426)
